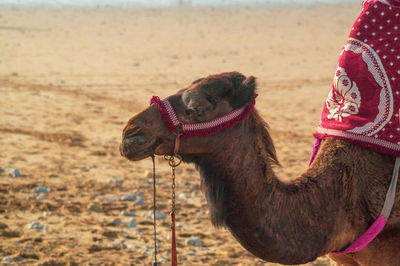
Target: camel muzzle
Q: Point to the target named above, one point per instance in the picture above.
(136, 145)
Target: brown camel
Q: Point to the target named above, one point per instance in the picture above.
(325, 209)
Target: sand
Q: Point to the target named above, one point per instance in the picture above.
(71, 78)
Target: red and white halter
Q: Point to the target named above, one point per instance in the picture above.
(203, 129)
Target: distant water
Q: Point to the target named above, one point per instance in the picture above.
(162, 3)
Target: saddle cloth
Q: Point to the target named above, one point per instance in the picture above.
(363, 105)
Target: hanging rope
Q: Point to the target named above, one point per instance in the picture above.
(154, 210)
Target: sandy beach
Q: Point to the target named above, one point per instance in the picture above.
(71, 78)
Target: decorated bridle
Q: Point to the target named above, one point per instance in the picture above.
(184, 131)
(201, 129)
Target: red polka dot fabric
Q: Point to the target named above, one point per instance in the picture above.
(363, 105)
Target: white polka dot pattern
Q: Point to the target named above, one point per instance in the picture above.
(371, 60)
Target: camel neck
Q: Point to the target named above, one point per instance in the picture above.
(276, 221)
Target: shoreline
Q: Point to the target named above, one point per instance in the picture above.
(177, 6)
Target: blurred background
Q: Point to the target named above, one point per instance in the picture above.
(163, 3)
(73, 72)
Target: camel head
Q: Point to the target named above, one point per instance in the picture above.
(215, 96)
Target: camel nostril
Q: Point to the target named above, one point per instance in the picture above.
(139, 139)
(132, 132)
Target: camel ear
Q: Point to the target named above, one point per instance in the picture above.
(244, 93)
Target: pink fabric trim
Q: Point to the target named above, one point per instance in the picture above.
(201, 129)
(314, 150)
(365, 238)
(377, 145)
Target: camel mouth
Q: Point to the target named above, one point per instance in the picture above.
(136, 145)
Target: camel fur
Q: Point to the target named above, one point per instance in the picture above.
(325, 209)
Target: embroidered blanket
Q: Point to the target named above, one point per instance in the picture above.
(363, 105)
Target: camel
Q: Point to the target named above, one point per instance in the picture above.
(323, 210)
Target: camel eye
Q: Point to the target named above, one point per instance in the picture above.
(189, 112)
(196, 112)
(212, 101)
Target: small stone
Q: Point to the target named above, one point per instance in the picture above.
(103, 198)
(128, 198)
(195, 186)
(8, 259)
(38, 190)
(115, 222)
(1, 170)
(145, 250)
(116, 181)
(131, 223)
(40, 198)
(162, 261)
(14, 172)
(110, 234)
(159, 215)
(116, 245)
(95, 207)
(139, 200)
(183, 196)
(128, 213)
(36, 225)
(194, 241)
(30, 246)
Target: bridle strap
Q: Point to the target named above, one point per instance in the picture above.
(202, 129)
(177, 144)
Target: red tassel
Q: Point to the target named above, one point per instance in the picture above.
(174, 259)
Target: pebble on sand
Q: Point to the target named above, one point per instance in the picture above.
(38, 190)
(37, 225)
(14, 172)
(95, 207)
(8, 259)
(115, 222)
(116, 181)
(137, 199)
(159, 215)
(128, 198)
(194, 241)
(131, 223)
(128, 213)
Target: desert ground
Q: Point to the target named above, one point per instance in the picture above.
(71, 78)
